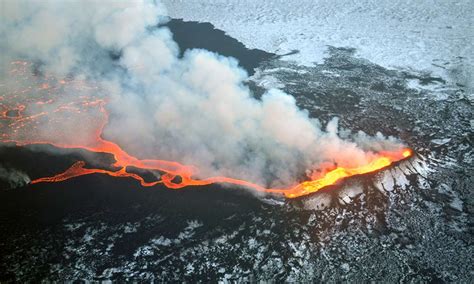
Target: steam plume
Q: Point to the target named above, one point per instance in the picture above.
(14, 178)
(194, 110)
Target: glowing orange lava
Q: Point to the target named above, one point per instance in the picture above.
(173, 169)
(406, 153)
(96, 143)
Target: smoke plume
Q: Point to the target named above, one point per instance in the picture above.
(192, 109)
(14, 178)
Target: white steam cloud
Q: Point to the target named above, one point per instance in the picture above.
(194, 110)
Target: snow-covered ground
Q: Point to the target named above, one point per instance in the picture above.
(434, 36)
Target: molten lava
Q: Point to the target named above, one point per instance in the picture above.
(406, 153)
(92, 114)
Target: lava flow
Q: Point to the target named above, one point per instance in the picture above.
(44, 106)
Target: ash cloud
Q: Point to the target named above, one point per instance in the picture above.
(194, 110)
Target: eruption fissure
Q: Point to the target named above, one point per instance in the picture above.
(171, 169)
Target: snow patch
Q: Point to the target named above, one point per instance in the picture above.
(413, 35)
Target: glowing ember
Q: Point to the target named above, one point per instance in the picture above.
(93, 116)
